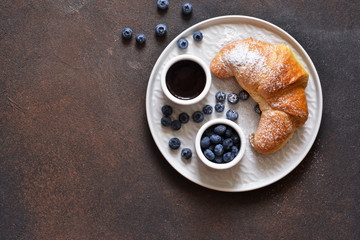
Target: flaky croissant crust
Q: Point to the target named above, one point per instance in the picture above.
(275, 78)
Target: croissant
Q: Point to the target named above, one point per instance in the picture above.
(275, 79)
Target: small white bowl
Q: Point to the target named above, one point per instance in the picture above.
(203, 93)
(226, 122)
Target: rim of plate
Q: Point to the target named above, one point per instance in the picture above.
(283, 34)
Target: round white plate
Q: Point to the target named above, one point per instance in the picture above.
(255, 170)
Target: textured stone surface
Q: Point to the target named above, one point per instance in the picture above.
(77, 157)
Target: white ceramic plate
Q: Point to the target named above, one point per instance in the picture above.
(255, 170)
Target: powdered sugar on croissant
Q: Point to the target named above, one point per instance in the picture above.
(273, 76)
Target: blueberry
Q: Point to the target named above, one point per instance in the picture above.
(235, 138)
(174, 143)
(198, 116)
(257, 109)
(228, 133)
(215, 139)
(175, 125)
(233, 98)
(127, 33)
(207, 109)
(219, 150)
(220, 129)
(184, 117)
(227, 143)
(205, 142)
(218, 159)
(197, 36)
(183, 43)
(220, 96)
(228, 157)
(187, 8)
(232, 115)
(166, 121)
(160, 30)
(163, 4)
(244, 95)
(166, 110)
(234, 150)
(208, 132)
(209, 154)
(219, 107)
(186, 153)
(140, 38)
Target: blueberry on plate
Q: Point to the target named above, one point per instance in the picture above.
(167, 110)
(160, 30)
(197, 36)
(166, 121)
(220, 129)
(228, 133)
(175, 125)
(220, 96)
(198, 117)
(232, 115)
(228, 157)
(127, 33)
(186, 153)
(163, 4)
(233, 98)
(184, 117)
(207, 109)
(244, 95)
(218, 159)
(215, 139)
(174, 143)
(187, 8)
(205, 142)
(209, 154)
(183, 43)
(234, 150)
(235, 137)
(141, 38)
(227, 143)
(219, 150)
(219, 107)
(257, 109)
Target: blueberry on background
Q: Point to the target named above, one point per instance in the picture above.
(166, 121)
(160, 30)
(233, 98)
(219, 107)
(175, 125)
(163, 4)
(187, 8)
(141, 38)
(174, 143)
(127, 33)
(257, 109)
(244, 95)
(184, 117)
(232, 115)
(183, 43)
(198, 116)
(207, 109)
(197, 36)
(220, 96)
(186, 153)
(167, 110)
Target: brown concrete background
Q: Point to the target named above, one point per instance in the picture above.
(77, 157)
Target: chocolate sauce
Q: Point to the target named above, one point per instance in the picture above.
(186, 79)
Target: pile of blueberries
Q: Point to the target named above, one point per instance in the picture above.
(161, 29)
(220, 143)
